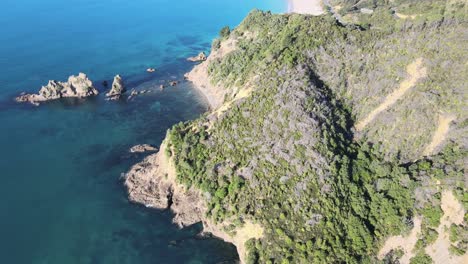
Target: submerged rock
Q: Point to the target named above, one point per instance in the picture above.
(76, 86)
(200, 57)
(118, 88)
(142, 148)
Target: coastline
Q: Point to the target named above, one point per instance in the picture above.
(152, 182)
(307, 7)
(198, 76)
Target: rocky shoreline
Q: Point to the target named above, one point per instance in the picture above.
(199, 74)
(153, 181)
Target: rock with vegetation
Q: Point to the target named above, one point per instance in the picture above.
(76, 86)
(118, 88)
(332, 137)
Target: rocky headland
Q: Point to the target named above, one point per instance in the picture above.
(152, 182)
(76, 86)
(296, 162)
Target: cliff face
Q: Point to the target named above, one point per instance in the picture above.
(153, 183)
(327, 138)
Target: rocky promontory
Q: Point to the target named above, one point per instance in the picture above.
(118, 88)
(152, 182)
(76, 86)
(200, 57)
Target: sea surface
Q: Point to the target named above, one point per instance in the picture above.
(62, 197)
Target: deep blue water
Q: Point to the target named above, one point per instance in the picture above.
(62, 199)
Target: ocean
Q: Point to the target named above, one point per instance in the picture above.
(63, 199)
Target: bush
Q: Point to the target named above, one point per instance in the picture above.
(224, 32)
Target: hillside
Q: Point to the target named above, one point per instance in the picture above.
(335, 136)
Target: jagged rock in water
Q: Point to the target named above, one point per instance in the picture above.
(200, 57)
(142, 148)
(76, 86)
(118, 88)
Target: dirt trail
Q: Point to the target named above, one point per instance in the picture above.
(415, 71)
(453, 213)
(440, 133)
(404, 242)
(439, 250)
(402, 16)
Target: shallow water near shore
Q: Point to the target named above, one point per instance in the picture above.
(63, 199)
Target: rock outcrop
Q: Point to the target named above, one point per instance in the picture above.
(152, 182)
(200, 57)
(118, 88)
(76, 86)
(142, 148)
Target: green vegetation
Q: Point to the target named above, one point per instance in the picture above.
(459, 238)
(421, 258)
(224, 32)
(286, 156)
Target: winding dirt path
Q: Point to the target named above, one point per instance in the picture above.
(439, 250)
(453, 213)
(440, 133)
(406, 243)
(415, 72)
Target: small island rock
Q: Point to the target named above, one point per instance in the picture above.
(118, 88)
(76, 86)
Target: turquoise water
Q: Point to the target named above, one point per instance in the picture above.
(62, 199)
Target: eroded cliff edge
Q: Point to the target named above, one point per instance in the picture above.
(153, 183)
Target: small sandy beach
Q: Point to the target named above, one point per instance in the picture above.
(310, 7)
